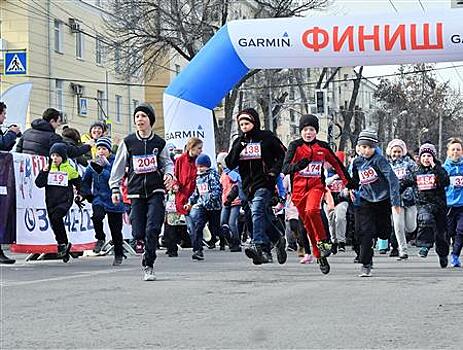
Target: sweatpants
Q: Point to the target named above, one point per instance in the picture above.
(372, 220)
(338, 223)
(432, 228)
(310, 212)
(405, 221)
(172, 236)
(115, 223)
(455, 226)
(295, 231)
(56, 217)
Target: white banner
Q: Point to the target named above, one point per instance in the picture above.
(16, 99)
(33, 232)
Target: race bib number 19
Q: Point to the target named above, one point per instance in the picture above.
(368, 176)
(252, 151)
(57, 178)
(145, 164)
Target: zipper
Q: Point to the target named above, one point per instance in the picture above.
(144, 176)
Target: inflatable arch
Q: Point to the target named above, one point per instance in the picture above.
(299, 43)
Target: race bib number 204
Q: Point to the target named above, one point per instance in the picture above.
(145, 164)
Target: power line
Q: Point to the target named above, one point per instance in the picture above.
(393, 6)
(422, 7)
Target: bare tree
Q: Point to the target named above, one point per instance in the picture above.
(144, 33)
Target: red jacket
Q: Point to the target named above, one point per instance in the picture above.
(313, 176)
(185, 172)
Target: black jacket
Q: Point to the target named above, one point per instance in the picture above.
(76, 151)
(38, 139)
(257, 173)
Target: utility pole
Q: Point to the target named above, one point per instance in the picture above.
(440, 134)
(270, 114)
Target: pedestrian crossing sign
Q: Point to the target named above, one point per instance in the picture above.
(15, 63)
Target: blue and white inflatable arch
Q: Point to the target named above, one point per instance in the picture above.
(299, 43)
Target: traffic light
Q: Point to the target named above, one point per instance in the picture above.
(320, 102)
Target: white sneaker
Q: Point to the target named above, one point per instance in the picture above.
(148, 274)
(365, 271)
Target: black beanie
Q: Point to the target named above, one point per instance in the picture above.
(148, 110)
(61, 149)
(249, 114)
(309, 120)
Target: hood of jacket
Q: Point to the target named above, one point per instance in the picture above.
(42, 125)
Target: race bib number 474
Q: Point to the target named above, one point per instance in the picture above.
(145, 164)
(252, 151)
(314, 169)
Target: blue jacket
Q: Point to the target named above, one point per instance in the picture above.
(404, 168)
(96, 184)
(208, 191)
(7, 140)
(375, 180)
(454, 191)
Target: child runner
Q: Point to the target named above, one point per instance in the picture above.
(205, 204)
(454, 167)
(95, 185)
(378, 189)
(304, 162)
(405, 221)
(150, 173)
(59, 179)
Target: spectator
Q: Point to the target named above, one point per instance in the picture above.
(97, 130)
(71, 138)
(42, 134)
(7, 141)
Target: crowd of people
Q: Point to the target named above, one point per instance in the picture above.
(260, 196)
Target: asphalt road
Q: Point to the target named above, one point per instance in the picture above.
(225, 302)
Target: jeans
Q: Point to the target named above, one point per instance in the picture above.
(200, 217)
(455, 224)
(147, 219)
(229, 222)
(261, 216)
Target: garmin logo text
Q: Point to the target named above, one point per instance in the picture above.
(265, 42)
(185, 134)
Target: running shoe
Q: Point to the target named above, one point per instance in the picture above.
(402, 256)
(267, 258)
(118, 260)
(325, 248)
(342, 247)
(98, 246)
(443, 261)
(365, 271)
(324, 265)
(394, 253)
(280, 247)
(254, 252)
(423, 252)
(148, 274)
(334, 248)
(198, 255)
(307, 259)
(455, 260)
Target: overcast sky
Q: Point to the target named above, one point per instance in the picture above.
(351, 7)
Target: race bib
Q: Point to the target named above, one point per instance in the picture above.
(400, 172)
(203, 189)
(426, 182)
(170, 207)
(252, 151)
(456, 181)
(368, 176)
(145, 164)
(314, 169)
(57, 178)
(336, 186)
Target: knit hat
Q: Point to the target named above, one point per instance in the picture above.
(249, 114)
(104, 141)
(396, 143)
(148, 110)
(98, 124)
(309, 120)
(203, 160)
(221, 159)
(368, 138)
(428, 148)
(61, 149)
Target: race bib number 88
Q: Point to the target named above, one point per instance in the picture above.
(57, 178)
(145, 164)
(252, 151)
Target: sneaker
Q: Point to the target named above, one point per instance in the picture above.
(148, 274)
(342, 247)
(334, 248)
(210, 244)
(324, 265)
(300, 252)
(280, 248)
(394, 253)
(443, 261)
(402, 256)
(365, 271)
(254, 252)
(118, 260)
(267, 258)
(325, 248)
(98, 246)
(139, 247)
(423, 252)
(198, 255)
(307, 259)
(455, 260)
(382, 251)
(235, 248)
(62, 248)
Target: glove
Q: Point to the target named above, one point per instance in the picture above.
(97, 167)
(101, 161)
(78, 201)
(302, 164)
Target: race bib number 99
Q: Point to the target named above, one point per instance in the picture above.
(368, 176)
(145, 164)
(426, 182)
(57, 178)
(314, 169)
(252, 151)
(456, 181)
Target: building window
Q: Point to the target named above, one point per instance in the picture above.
(99, 51)
(58, 36)
(79, 45)
(118, 108)
(100, 99)
(59, 95)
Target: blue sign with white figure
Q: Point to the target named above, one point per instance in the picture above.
(16, 63)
